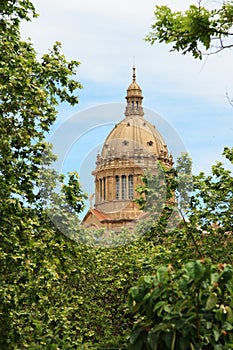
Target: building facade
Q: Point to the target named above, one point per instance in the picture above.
(133, 146)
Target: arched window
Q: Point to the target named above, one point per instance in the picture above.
(130, 187)
(123, 187)
(117, 187)
(104, 185)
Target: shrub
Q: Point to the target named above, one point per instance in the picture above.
(187, 309)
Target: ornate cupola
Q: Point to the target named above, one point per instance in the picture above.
(133, 146)
(134, 98)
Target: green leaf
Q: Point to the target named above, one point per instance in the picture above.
(153, 340)
(136, 333)
(211, 301)
(229, 314)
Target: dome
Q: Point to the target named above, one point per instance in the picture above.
(134, 89)
(131, 136)
(134, 137)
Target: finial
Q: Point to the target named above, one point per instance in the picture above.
(134, 73)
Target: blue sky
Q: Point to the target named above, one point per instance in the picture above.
(189, 95)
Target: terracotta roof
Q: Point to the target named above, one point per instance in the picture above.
(99, 214)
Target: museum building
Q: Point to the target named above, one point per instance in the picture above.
(132, 147)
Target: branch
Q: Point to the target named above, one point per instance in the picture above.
(230, 100)
(218, 48)
(188, 231)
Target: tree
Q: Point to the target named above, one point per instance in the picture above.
(31, 252)
(30, 91)
(204, 219)
(185, 181)
(211, 207)
(195, 30)
(187, 304)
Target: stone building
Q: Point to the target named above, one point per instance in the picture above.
(133, 146)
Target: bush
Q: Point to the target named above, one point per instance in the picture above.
(187, 309)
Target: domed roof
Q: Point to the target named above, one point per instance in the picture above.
(134, 137)
(134, 134)
(134, 90)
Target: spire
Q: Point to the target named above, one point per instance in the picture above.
(134, 98)
(134, 74)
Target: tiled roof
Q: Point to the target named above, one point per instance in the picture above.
(99, 214)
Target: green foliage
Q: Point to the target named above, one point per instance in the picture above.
(212, 205)
(62, 291)
(58, 293)
(193, 30)
(153, 191)
(190, 306)
(185, 181)
(187, 309)
(13, 12)
(156, 189)
(30, 91)
(207, 223)
(35, 309)
(73, 193)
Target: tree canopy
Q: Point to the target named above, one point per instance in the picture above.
(30, 91)
(200, 29)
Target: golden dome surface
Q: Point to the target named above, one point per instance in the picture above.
(134, 134)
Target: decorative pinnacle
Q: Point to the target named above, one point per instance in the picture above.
(134, 74)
